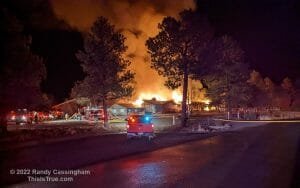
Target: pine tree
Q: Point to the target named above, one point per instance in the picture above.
(177, 49)
(107, 75)
(227, 81)
(21, 71)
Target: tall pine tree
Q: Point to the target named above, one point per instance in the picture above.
(227, 81)
(21, 71)
(107, 75)
(177, 49)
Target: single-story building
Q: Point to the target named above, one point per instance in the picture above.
(156, 106)
(124, 109)
(71, 106)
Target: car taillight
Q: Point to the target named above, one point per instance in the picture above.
(131, 119)
(13, 117)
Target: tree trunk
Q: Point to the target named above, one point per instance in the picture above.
(228, 97)
(184, 97)
(105, 121)
(292, 99)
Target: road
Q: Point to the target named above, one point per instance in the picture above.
(265, 156)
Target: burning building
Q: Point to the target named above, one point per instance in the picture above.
(156, 106)
(138, 20)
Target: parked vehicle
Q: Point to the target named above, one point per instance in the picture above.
(94, 113)
(140, 126)
(21, 116)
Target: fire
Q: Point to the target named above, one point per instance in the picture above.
(207, 107)
(176, 96)
(206, 101)
(138, 102)
(148, 96)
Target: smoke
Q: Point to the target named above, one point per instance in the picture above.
(137, 20)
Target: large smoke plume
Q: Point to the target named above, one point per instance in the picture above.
(137, 20)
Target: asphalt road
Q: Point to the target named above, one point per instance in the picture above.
(265, 156)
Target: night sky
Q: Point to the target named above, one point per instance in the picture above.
(267, 30)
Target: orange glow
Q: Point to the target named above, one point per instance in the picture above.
(138, 20)
(138, 102)
(175, 95)
(206, 101)
(206, 108)
(131, 119)
(148, 96)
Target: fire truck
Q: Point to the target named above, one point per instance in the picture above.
(95, 113)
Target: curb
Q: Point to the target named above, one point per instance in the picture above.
(259, 121)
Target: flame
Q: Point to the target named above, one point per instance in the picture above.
(138, 102)
(138, 20)
(176, 96)
(206, 108)
(206, 101)
(148, 96)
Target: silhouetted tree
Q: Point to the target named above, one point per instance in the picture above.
(177, 49)
(21, 71)
(227, 80)
(107, 77)
(262, 90)
(289, 88)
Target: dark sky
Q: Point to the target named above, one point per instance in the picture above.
(267, 30)
(52, 39)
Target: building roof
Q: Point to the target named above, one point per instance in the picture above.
(127, 105)
(82, 101)
(156, 102)
(68, 102)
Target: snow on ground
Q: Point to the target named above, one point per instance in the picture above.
(207, 126)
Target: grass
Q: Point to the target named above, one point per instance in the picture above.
(117, 121)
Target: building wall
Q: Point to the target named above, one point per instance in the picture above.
(135, 110)
(118, 110)
(154, 108)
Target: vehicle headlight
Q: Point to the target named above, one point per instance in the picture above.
(24, 117)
